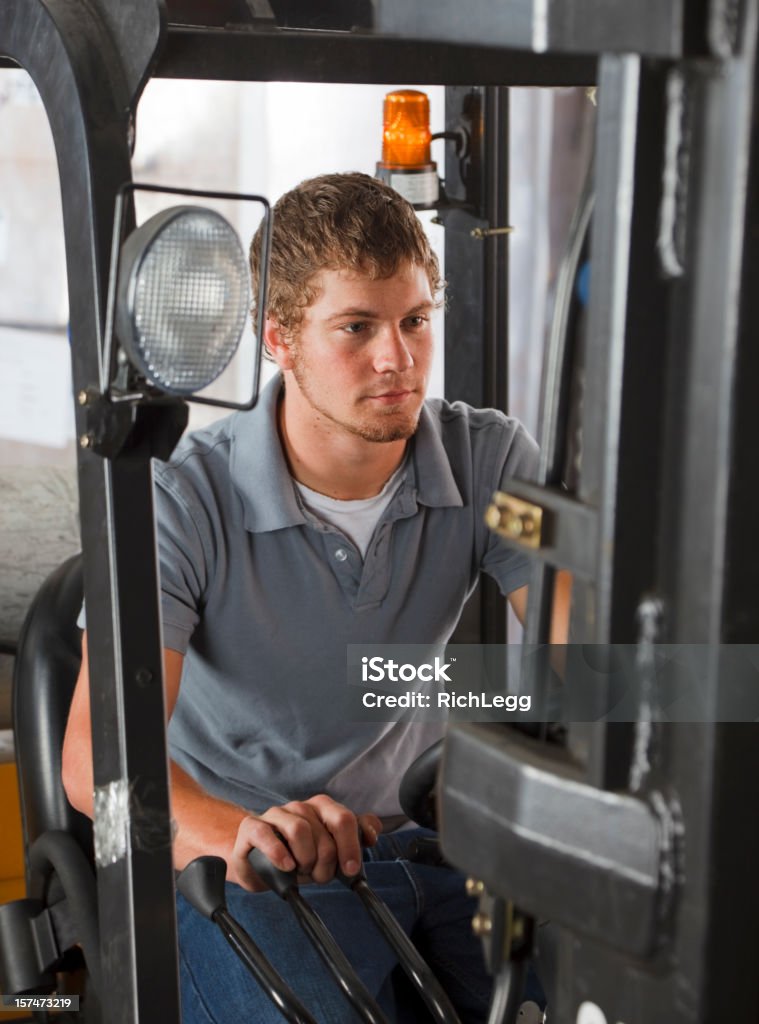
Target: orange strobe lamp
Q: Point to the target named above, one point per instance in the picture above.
(406, 164)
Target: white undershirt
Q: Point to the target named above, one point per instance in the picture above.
(355, 519)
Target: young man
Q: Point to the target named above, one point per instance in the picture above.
(342, 509)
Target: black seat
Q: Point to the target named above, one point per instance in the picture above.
(45, 673)
(55, 927)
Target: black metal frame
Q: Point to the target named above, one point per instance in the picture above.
(357, 58)
(662, 488)
(89, 65)
(477, 274)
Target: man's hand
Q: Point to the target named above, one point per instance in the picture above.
(320, 832)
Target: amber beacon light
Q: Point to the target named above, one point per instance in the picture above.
(406, 165)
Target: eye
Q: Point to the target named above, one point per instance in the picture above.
(415, 321)
(355, 327)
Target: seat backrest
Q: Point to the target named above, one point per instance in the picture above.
(47, 664)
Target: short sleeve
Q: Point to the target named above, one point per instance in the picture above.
(183, 559)
(183, 567)
(509, 567)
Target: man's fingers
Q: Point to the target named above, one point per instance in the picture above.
(371, 827)
(323, 867)
(256, 833)
(342, 824)
(298, 833)
(312, 835)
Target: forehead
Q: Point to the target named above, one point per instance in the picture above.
(336, 290)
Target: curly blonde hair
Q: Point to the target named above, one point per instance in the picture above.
(337, 222)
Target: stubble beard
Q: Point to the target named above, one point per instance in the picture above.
(375, 431)
(384, 433)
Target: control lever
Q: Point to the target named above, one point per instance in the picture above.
(507, 992)
(507, 936)
(202, 885)
(408, 955)
(285, 885)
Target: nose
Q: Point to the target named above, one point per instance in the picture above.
(391, 352)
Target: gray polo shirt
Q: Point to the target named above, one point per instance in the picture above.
(263, 599)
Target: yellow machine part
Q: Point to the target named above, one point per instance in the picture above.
(12, 885)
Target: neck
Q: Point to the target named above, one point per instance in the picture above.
(328, 459)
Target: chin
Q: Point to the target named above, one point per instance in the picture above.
(385, 432)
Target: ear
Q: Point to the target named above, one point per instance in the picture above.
(277, 342)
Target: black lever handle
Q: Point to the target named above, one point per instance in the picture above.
(202, 885)
(284, 883)
(281, 882)
(409, 957)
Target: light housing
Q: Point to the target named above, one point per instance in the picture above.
(183, 298)
(406, 131)
(406, 165)
(217, 273)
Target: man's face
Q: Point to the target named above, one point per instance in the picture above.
(361, 357)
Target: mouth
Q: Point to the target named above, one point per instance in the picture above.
(392, 397)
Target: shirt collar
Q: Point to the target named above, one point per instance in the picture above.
(435, 483)
(258, 467)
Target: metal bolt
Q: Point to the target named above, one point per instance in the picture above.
(515, 524)
(86, 441)
(481, 233)
(516, 519)
(493, 517)
(522, 525)
(83, 398)
(474, 887)
(481, 925)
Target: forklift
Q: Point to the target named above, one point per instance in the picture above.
(626, 834)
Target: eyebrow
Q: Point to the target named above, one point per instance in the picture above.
(368, 314)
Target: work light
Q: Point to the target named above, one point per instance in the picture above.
(178, 300)
(183, 298)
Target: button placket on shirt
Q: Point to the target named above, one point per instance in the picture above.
(375, 579)
(377, 574)
(369, 578)
(364, 582)
(345, 561)
(339, 552)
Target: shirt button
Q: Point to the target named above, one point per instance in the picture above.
(341, 554)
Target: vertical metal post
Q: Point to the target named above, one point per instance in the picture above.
(605, 337)
(692, 287)
(75, 63)
(709, 309)
(616, 137)
(477, 271)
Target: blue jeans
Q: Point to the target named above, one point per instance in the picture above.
(430, 903)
